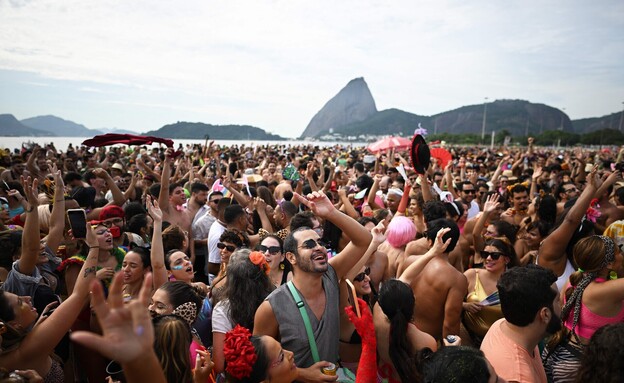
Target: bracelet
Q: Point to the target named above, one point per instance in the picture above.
(30, 209)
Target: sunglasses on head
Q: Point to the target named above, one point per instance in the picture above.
(493, 255)
(272, 249)
(229, 248)
(311, 244)
(360, 277)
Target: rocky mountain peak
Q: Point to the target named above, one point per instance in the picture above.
(354, 103)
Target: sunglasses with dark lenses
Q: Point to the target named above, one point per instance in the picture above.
(272, 249)
(493, 255)
(311, 244)
(229, 248)
(473, 191)
(360, 277)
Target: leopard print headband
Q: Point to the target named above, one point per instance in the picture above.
(187, 311)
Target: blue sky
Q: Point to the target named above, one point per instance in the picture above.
(141, 64)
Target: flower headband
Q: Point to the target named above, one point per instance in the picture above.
(240, 354)
(258, 259)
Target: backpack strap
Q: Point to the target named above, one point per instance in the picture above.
(306, 321)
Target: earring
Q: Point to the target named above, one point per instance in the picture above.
(613, 275)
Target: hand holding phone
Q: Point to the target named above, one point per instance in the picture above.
(78, 223)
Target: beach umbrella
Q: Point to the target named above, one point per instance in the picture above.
(389, 143)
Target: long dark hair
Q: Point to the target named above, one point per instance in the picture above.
(246, 288)
(396, 299)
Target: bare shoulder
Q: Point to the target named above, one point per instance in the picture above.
(265, 322)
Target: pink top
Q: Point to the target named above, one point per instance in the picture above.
(193, 351)
(589, 322)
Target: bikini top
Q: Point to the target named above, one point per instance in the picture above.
(589, 321)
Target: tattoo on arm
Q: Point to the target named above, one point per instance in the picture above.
(89, 270)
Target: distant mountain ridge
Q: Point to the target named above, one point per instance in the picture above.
(191, 130)
(59, 127)
(11, 127)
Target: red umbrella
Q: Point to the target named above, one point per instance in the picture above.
(128, 139)
(390, 143)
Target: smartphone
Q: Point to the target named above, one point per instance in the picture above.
(353, 298)
(78, 222)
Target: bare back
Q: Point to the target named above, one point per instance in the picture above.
(439, 290)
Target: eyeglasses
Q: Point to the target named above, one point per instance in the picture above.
(318, 230)
(573, 190)
(470, 191)
(216, 200)
(360, 277)
(229, 248)
(272, 249)
(311, 244)
(493, 255)
(114, 221)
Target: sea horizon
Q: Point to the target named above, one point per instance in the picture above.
(61, 143)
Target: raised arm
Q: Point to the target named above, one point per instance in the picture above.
(378, 237)
(163, 197)
(359, 236)
(30, 236)
(41, 341)
(553, 247)
(412, 271)
(57, 217)
(128, 334)
(157, 253)
(118, 197)
(373, 192)
(491, 203)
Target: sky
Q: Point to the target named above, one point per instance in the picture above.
(142, 64)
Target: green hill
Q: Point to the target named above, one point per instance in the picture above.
(199, 130)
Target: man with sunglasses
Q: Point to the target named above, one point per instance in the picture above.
(468, 194)
(315, 278)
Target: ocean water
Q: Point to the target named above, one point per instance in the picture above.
(61, 143)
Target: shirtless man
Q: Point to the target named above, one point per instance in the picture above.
(439, 289)
(432, 210)
(520, 205)
(171, 200)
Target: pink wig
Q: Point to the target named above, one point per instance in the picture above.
(400, 232)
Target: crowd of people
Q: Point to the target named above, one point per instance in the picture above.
(281, 263)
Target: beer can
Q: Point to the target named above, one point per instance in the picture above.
(329, 370)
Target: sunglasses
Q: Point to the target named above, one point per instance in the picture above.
(360, 277)
(311, 244)
(229, 248)
(473, 191)
(493, 255)
(272, 249)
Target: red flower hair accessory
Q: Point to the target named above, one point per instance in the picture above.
(592, 211)
(258, 259)
(240, 354)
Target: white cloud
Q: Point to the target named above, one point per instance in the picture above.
(275, 63)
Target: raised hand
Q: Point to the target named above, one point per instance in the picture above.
(317, 202)
(154, 209)
(439, 246)
(378, 233)
(537, 173)
(127, 328)
(491, 203)
(30, 190)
